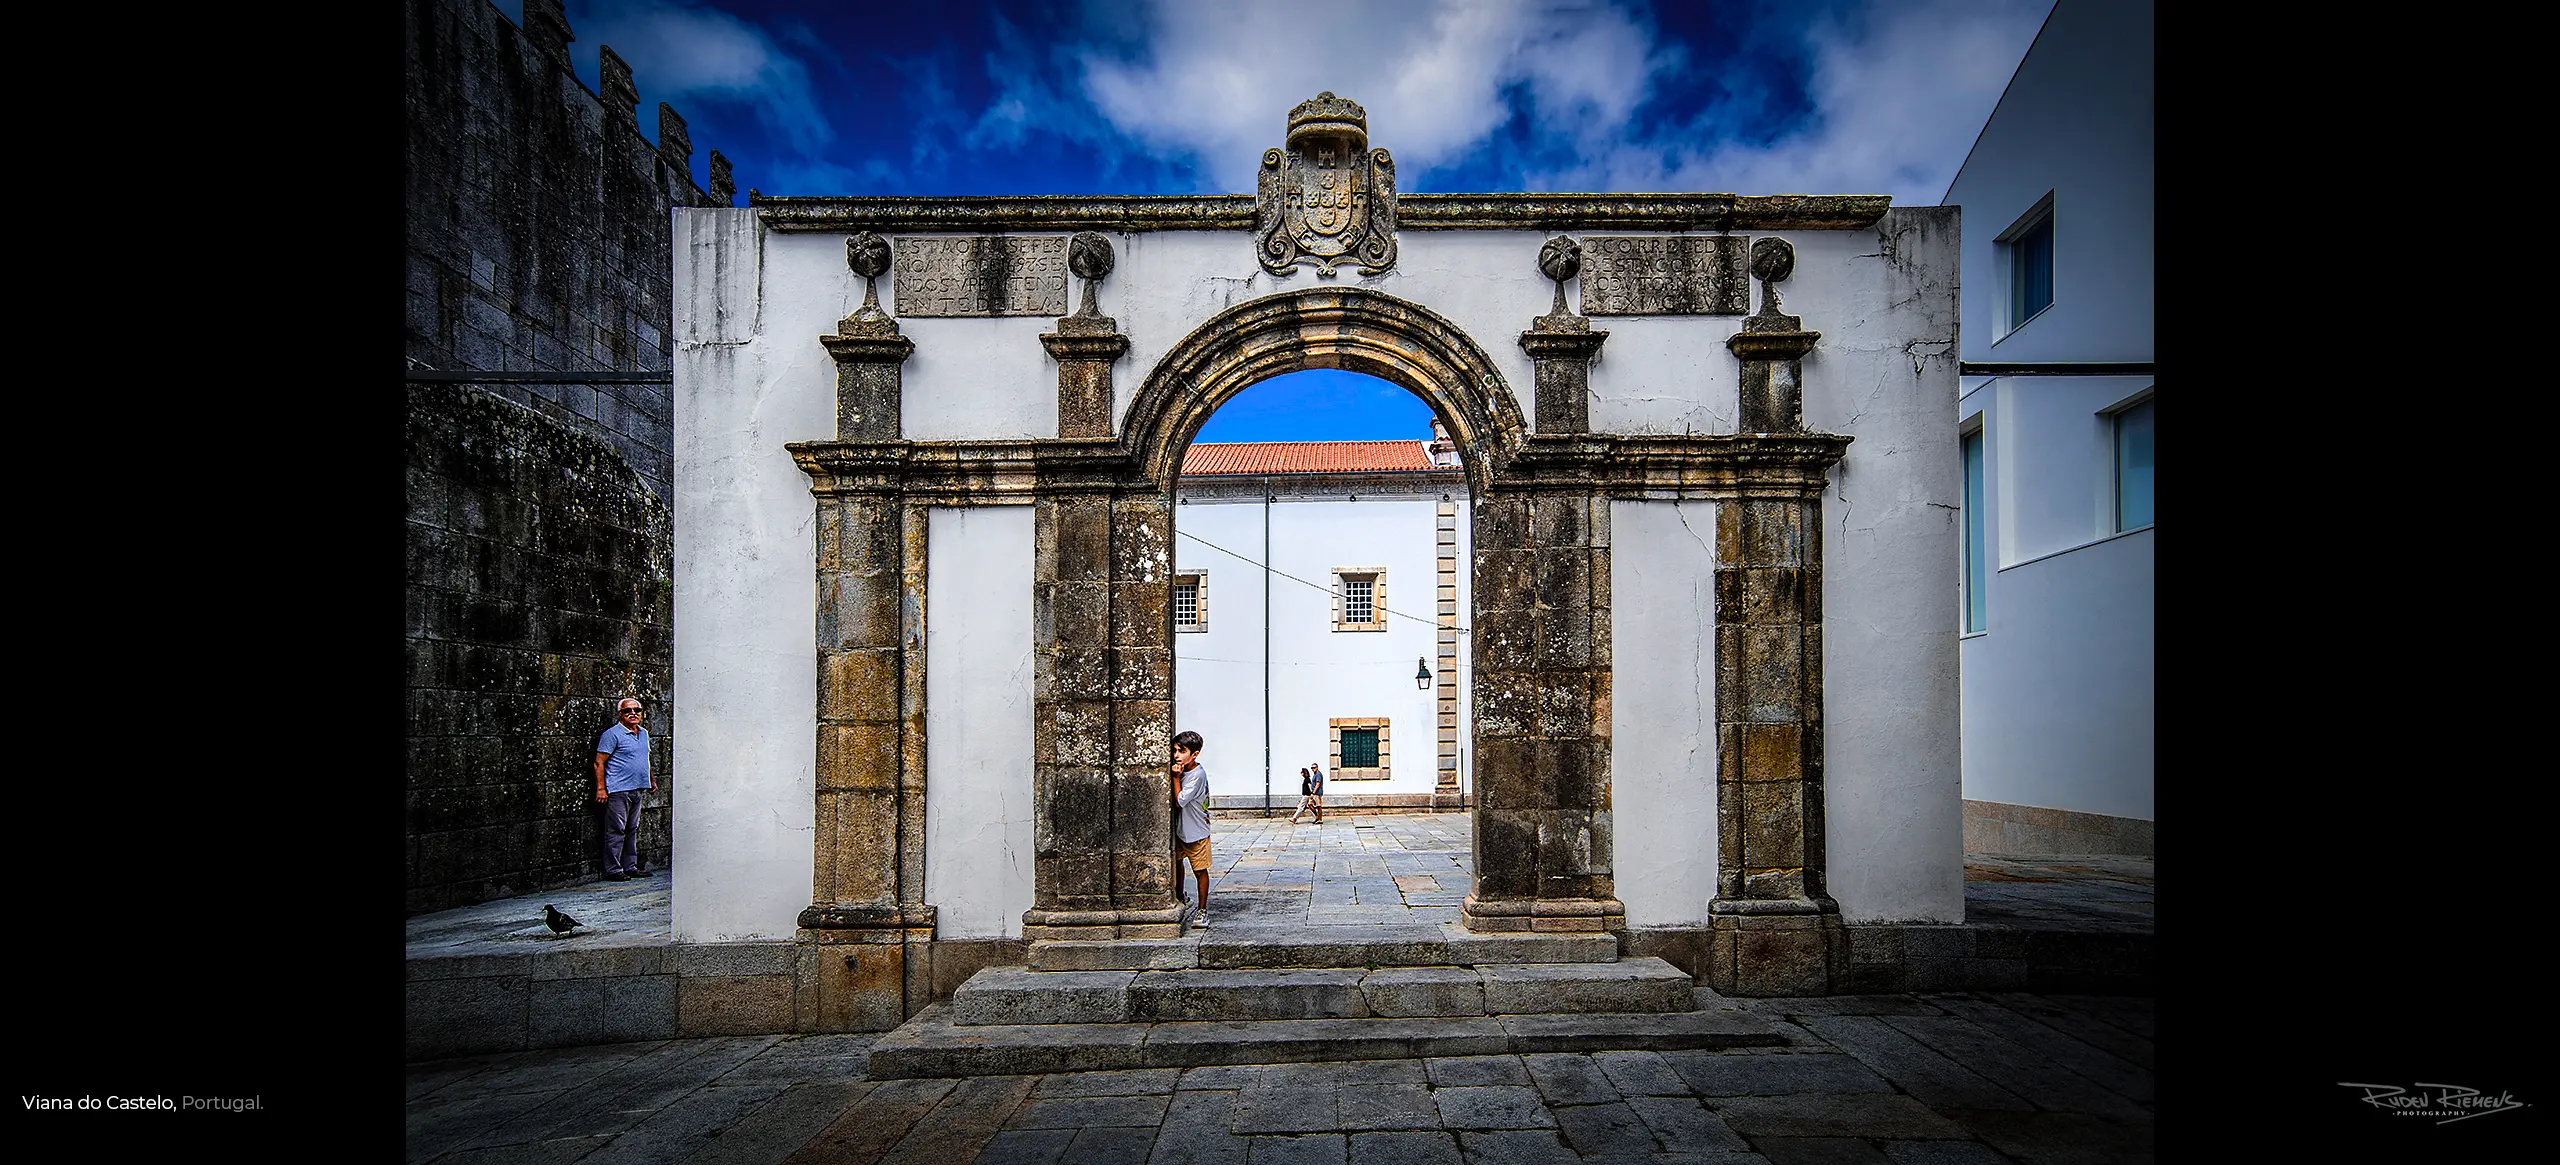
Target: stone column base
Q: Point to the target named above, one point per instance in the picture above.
(1546, 915)
(1160, 922)
(1776, 954)
(863, 978)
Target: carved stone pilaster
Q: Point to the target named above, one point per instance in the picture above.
(1772, 346)
(1772, 927)
(870, 354)
(1085, 345)
(1561, 346)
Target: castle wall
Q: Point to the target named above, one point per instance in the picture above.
(538, 524)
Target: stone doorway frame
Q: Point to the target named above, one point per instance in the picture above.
(1540, 630)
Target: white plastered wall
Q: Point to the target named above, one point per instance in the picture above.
(977, 733)
(746, 586)
(1662, 702)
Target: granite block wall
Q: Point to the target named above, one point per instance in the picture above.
(538, 527)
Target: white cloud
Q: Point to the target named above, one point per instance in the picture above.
(677, 51)
(1898, 98)
(1899, 90)
(1217, 80)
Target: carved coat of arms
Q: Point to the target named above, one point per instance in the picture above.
(1327, 198)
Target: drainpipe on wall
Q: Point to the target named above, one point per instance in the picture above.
(1266, 647)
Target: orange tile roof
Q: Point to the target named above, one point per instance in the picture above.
(1305, 457)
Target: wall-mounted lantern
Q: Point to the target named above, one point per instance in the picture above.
(1421, 673)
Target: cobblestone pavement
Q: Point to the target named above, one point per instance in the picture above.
(1949, 1079)
(1376, 869)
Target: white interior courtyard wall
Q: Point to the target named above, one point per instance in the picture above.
(1317, 674)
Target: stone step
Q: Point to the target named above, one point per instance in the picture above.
(1018, 995)
(932, 1045)
(1394, 945)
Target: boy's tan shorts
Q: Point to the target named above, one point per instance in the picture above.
(1197, 853)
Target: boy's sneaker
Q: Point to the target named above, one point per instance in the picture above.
(1200, 919)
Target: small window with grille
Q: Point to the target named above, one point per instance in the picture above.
(1359, 598)
(1191, 601)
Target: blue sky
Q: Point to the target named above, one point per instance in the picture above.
(1182, 97)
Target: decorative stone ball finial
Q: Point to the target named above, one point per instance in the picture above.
(1772, 260)
(1560, 260)
(868, 254)
(1089, 255)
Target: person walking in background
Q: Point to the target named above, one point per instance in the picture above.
(622, 774)
(1191, 814)
(1310, 794)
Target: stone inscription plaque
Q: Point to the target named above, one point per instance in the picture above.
(982, 276)
(1687, 275)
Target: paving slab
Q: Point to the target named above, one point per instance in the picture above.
(1912, 1066)
(1027, 1147)
(1760, 1073)
(1640, 1074)
(1385, 1106)
(1492, 1106)
(782, 1125)
(2101, 1067)
(1819, 1151)
(1105, 1146)
(1684, 1125)
(2019, 1069)
(1516, 1148)
(1076, 1112)
(1835, 1115)
(1195, 1132)
(874, 1124)
(1301, 1149)
(1569, 1078)
(1604, 1129)
(1943, 1153)
(967, 1118)
(1408, 1148)
(1457, 1071)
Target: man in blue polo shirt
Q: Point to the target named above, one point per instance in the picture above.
(622, 772)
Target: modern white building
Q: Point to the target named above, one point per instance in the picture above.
(1360, 663)
(2055, 421)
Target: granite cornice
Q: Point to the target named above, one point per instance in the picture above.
(1687, 465)
(960, 472)
(1234, 212)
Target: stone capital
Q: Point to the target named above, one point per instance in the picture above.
(1562, 342)
(1790, 344)
(1065, 345)
(876, 348)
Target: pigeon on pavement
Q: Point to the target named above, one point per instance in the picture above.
(560, 923)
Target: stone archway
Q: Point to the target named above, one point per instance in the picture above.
(1103, 663)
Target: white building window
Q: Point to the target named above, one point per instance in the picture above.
(1191, 601)
(1361, 748)
(1359, 598)
(1976, 597)
(2133, 466)
(2026, 265)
